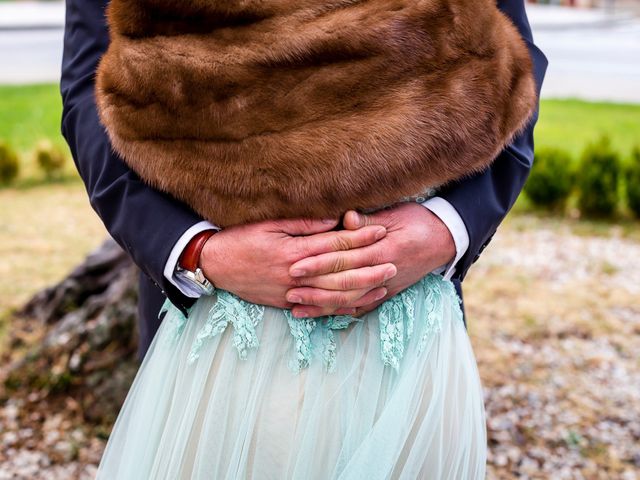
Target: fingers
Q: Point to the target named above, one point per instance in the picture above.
(317, 302)
(366, 308)
(360, 311)
(312, 311)
(339, 240)
(303, 226)
(334, 262)
(355, 279)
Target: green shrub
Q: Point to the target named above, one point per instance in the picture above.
(9, 165)
(598, 177)
(551, 179)
(633, 182)
(49, 158)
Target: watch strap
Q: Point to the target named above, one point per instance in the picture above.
(190, 256)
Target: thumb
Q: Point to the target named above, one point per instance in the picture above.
(354, 220)
(305, 226)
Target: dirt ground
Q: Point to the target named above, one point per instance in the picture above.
(554, 314)
(555, 321)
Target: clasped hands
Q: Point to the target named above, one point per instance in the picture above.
(314, 270)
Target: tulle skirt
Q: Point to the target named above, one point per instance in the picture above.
(238, 391)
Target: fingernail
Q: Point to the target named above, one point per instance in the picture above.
(382, 293)
(381, 232)
(357, 218)
(299, 314)
(390, 273)
(298, 273)
(329, 220)
(294, 298)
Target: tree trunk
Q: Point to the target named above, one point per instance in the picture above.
(77, 339)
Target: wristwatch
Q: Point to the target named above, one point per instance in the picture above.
(187, 267)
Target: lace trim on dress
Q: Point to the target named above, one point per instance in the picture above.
(396, 317)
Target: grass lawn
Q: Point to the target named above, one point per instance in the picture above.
(29, 113)
(46, 231)
(571, 124)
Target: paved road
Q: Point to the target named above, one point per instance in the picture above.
(592, 55)
(30, 56)
(597, 60)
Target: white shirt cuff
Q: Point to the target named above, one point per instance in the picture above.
(170, 267)
(451, 218)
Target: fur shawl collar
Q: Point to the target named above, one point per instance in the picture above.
(257, 109)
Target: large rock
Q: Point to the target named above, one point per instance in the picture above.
(78, 338)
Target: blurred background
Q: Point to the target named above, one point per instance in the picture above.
(553, 305)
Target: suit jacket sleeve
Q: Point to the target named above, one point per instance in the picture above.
(483, 200)
(145, 222)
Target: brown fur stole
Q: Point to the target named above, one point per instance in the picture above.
(259, 109)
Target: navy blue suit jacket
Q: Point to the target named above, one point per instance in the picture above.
(147, 223)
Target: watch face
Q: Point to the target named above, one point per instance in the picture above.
(197, 281)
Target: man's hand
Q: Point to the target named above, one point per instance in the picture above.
(417, 242)
(253, 261)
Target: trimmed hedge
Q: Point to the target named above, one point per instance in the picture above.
(598, 178)
(633, 182)
(551, 179)
(9, 165)
(49, 158)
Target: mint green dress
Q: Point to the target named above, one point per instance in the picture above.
(243, 391)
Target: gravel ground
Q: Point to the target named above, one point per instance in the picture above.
(555, 320)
